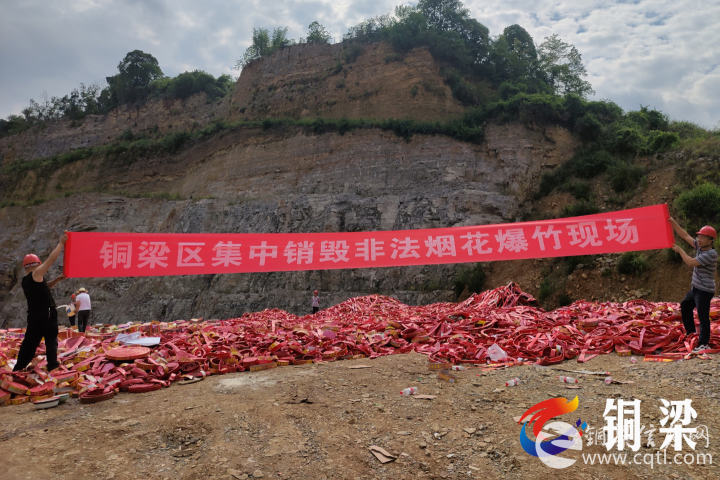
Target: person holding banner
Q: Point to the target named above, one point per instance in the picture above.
(42, 313)
(703, 281)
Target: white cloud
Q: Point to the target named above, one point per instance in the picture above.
(660, 53)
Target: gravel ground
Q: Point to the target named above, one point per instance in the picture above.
(318, 422)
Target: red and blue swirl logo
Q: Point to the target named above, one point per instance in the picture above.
(554, 438)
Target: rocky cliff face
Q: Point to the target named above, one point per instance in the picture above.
(156, 116)
(369, 81)
(275, 181)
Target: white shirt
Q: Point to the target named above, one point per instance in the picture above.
(84, 300)
(316, 301)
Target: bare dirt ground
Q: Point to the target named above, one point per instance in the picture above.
(317, 422)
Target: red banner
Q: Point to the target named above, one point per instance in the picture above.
(100, 254)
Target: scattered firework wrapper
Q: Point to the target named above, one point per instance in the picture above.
(447, 376)
(263, 366)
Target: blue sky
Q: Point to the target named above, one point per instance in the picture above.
(661, 53)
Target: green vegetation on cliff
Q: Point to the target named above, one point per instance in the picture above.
(478, 68)
(139, 78)
(506, 78)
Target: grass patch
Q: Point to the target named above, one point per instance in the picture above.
(625, 176)
(631, 263)
(580, 190)
(700, 204)
(579, 209)
(128, 147)
(586, 164)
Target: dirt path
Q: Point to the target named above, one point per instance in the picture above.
(317, 422)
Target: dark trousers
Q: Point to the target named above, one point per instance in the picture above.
(71, 318)
(39, 328)
(83, 317)
(699, 299)
(315, 310)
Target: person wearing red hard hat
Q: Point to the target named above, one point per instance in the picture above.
(315, 302)
(703, 281)
(42, 314)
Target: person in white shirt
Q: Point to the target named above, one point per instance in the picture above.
(315, 302)
(83, 315)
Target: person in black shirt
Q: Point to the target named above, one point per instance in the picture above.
(42, 313)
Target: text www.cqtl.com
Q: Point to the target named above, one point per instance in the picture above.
(647, 459)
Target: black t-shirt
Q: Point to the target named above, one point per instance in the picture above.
(38, 296)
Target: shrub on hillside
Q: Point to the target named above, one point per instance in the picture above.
(579, 209)
(625, 176)
(571, 263)
(585, 164)
(625, 141)
(605, 111)
(189, 83)
(174, 142)
(462, 90)
(508, 89)
(548, 182)
(649, 119)
(588, 128)
(686, 129)
(702, 203)
(631, 263)
(660, 141)
(352, 52)
(579, 190)
(473, 278)
(590, 164)
(14, 124)
(698, 147)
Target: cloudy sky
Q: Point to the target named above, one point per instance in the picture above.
(661, 53)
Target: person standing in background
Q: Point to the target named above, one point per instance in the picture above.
(315, 302)
(84, 308)
(72, 310)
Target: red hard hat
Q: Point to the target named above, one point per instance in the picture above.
(72, 296)
(30, 259)
(315, 291)
(708, 230)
